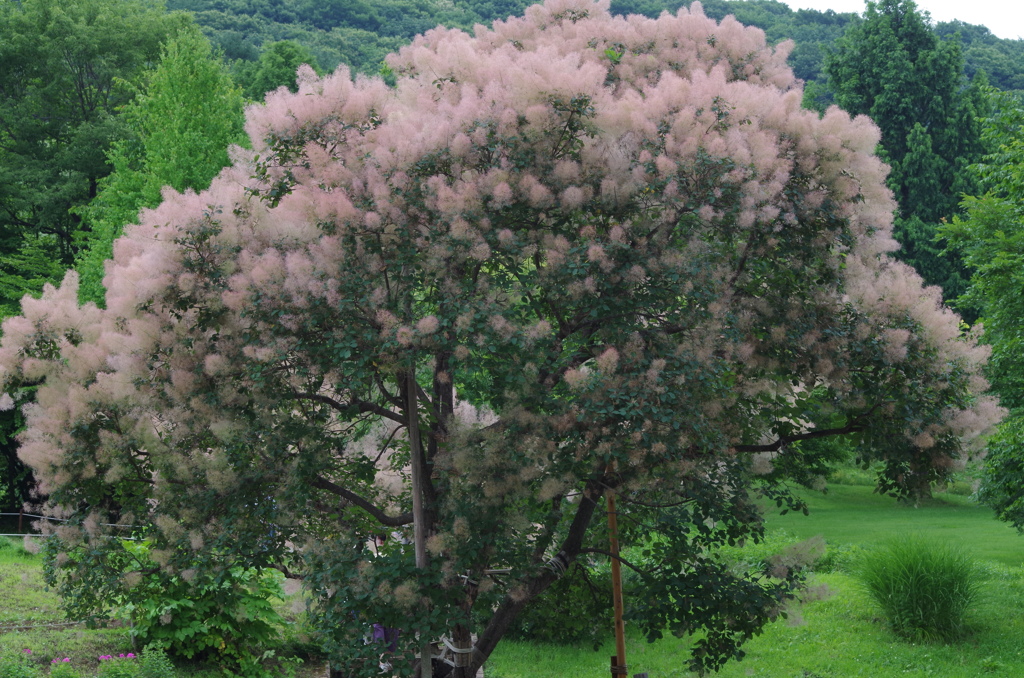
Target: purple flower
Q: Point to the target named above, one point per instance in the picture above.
(130, 655)
(28, 651)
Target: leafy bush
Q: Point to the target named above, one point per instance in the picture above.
(840, 558)
(153, 663)
(64, 670)
(226, 616)
(924, 589)
(120, 667)
(15, 664)
(574, 611)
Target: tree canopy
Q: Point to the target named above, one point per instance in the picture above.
(991, 239)
(568, 254)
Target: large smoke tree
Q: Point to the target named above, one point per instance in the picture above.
(569, 254)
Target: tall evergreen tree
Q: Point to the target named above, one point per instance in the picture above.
(893, 67)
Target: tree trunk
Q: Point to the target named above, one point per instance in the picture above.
(462, 639)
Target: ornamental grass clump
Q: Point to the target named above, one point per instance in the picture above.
(925, 589)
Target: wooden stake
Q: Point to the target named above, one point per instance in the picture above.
(618, 669)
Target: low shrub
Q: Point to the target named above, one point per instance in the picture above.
(153, 663)
(17, 664)
(925, 589)
(63, 669)
(227, 617)
(840, 558)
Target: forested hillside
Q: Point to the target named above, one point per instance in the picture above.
(360, 33)
(354, 32)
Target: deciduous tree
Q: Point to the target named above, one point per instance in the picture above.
(991, 239)
(569, 254)
(176, 133)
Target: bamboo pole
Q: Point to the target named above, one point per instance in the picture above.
(619, 666)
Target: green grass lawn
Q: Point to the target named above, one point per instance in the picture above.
(30, 616)
(843, 635)
(835, 638)
(853, 514)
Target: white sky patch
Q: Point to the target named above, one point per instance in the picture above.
(1005, 18)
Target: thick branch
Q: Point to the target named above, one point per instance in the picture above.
(361, 405)
(355, 499)
(534, 585)
(853, 427)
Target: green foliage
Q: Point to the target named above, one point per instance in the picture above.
(1000, 59)
(925, 589)
(574, 611)
(67, 670)
(990, 238)
(226, 616)
(153, 663)
(15, 663)
(1003, 474)
(276, 68)
(68, 67)
(893, 68)
(177, 134)
(16, 480)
